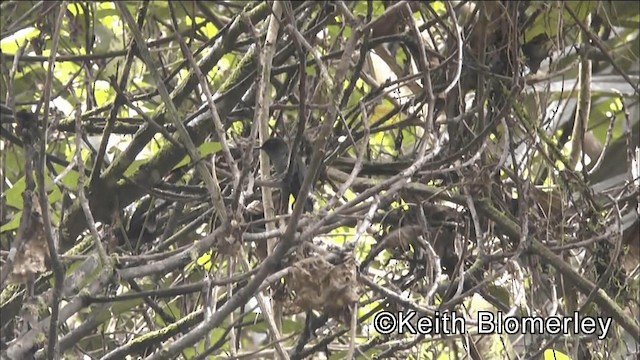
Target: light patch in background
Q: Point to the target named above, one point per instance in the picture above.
(11, 44)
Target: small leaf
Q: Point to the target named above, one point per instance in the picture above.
(205, 149)
(551, 354)
(13, 224)
(500, 293)
(133, 168)
(14, 195)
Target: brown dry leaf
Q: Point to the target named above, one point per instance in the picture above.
(341, 287)
(319, 285)
(228, 245)
(33, 257)
(306, 280)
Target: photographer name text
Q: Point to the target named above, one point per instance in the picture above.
(450, 323)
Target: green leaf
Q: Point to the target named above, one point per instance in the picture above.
(551, 354)
(311, 70)
(205, 261)
(13, 224)
(11, 44)
(70, 180)
(133, 168)
(14, 195)
(501, 293)
(439, 7)
(205, 149)
(289, 326)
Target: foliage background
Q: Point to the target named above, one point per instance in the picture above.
(463, 156)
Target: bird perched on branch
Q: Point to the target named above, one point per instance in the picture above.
(278, 152)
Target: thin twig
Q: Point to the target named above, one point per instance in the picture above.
(58, 268)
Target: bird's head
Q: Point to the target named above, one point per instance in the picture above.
(278, 151)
